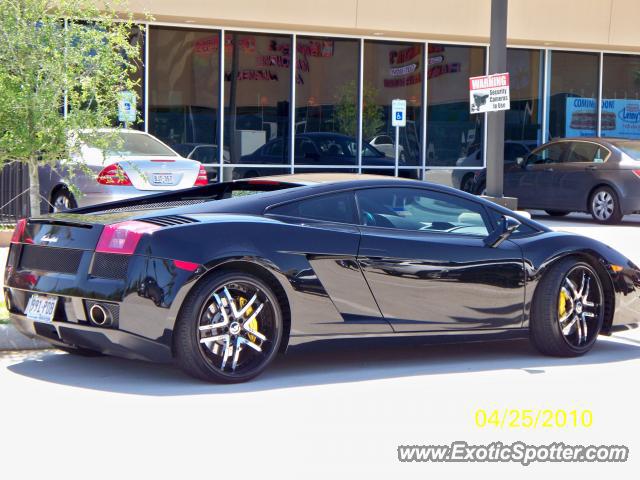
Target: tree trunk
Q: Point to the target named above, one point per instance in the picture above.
(34, 188)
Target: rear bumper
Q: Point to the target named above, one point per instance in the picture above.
(108, 341)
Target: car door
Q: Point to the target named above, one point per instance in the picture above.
(575, 178)
(423, 256)
(532, 182)
(323, 266)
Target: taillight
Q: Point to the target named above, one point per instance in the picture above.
(18, 232)
(201, 179)
(637, 172)
(113, 175)
(123, 237)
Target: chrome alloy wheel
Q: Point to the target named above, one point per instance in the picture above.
(580, 306)
(236, 328)
(603, 205)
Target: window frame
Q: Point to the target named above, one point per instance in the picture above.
(486, 218)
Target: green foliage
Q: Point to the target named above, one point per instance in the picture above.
(50, 51)
(347, 111)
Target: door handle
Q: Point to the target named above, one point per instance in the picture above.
(548, 169)
(591, 167)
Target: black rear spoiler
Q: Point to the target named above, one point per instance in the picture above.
(205, 193)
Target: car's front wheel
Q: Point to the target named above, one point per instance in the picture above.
(604, 206)
(62, 200)
(229, 328)
(568, 309)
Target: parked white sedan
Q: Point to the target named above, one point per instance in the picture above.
(139, 164)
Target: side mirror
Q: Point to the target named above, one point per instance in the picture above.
(506, 226)
(520, 161)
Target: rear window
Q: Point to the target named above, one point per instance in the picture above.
(136, 144)
(630, 148)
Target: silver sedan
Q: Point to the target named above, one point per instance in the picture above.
(140, 164)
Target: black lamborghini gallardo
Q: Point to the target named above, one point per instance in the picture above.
(221, 278)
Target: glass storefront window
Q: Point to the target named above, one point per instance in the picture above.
(620, 96)
(183, 92)
(523, 122)
(573, 93)
(257, 92)
(326, 102)
(392, 70)
(454, 136)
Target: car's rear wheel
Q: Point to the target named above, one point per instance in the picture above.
(604, 206)
(568, 309)
(229, 329)
(557, 213)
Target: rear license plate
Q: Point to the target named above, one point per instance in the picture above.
(162, 178)
(41, 308)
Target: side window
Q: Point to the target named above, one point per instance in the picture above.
(417, 209)
(336, 207)
(582, 152)
(600, 155)
(549, 154)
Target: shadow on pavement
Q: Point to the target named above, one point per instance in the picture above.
(313, 364)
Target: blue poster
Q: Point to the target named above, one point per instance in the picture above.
(620, 118)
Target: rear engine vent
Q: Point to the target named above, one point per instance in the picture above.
(168, 220)
(50, 259)
(151, 206)
(110, 265)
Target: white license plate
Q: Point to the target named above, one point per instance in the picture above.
(41, 308)
(162, 179)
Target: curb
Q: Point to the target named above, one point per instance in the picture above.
(12, 339)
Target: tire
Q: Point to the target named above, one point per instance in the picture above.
(556, 299)
(604, 206)
(481, 189)
(62, 200)
(557, 213)
(466, 185)
(81, 352)
(207, 306)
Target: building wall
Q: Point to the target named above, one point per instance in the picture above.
(600, 24)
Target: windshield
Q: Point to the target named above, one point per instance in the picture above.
(630, 148)
(137, 144)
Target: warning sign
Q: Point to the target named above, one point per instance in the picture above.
(489, 93)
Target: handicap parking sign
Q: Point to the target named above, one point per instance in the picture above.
(399, 113)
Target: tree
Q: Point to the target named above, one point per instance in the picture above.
(347, 111)
(63, 67)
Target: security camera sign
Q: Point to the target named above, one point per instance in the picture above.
(489, 93)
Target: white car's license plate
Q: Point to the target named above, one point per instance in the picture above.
(41, 308)
(162, 179)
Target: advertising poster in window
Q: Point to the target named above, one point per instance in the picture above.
(620, 118)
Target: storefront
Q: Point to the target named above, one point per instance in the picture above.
(250, 102)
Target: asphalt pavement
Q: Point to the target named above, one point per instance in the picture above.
(319, 411)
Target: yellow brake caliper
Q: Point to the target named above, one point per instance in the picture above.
(562, 304)
(253, 324)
